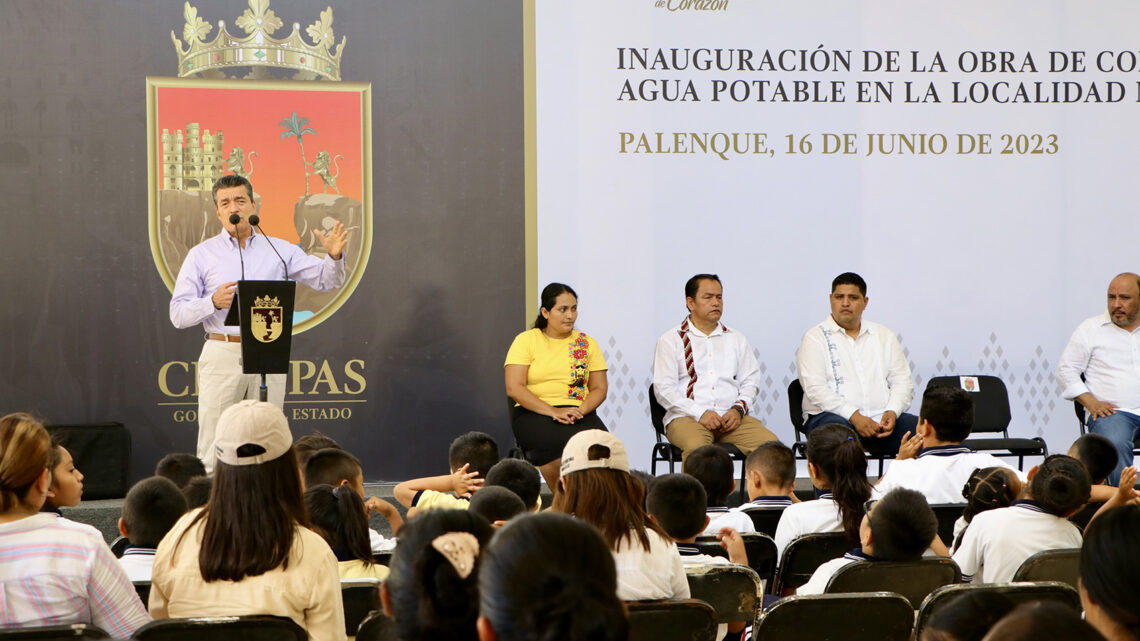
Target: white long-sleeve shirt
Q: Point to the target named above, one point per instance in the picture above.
(868, 374)
(1109, 357)
(726, 370)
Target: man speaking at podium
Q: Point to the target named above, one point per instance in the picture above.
(206, 286)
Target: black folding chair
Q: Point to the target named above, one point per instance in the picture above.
(803, 555)
(360, 596)
(867, 616)
(795, 411)
(947, 515)
(1051, 591)
(1052, 565)
(666, 452)
(914, 580)
(733, 591)
(765, 519)
(54, 633)
(240, 628)
(689, 619)
(992, 416)
(759, 547)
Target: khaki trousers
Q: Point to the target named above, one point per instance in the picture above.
(221, 383)
(689, 434)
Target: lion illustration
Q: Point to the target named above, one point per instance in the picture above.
(236, 162)
(321, 167)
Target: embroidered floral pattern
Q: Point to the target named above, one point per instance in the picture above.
(579, 371)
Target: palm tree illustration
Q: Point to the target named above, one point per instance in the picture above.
(298, 127)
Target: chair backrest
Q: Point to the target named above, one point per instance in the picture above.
(377, 626)
(142, 588)
(760, 548)
(119, 545)
(1052, 565)
(796, 407)
(383, 558)
(991, 402)
(53, 632)
(1051, 591)
(733, 591)
(914, 580)
(806, 553)
(689, 619)
(867, 616)
(765, 519)
(947, 514)
(243, 628)
(360, 596)
(656, 414)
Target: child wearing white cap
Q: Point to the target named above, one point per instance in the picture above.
(248, 550)
(596, 486)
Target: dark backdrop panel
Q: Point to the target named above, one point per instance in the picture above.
(83, 312)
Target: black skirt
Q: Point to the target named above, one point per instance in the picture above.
(542, 438)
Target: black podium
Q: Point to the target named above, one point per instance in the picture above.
(264, 311)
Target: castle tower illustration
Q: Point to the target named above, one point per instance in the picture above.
(191, 161)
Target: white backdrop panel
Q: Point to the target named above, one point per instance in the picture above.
(982, 263)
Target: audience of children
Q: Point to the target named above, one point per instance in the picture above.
(998, 541)
(336, 467)
(470, 457)
(249, 550)
(933, 460)
(987, 489)
(180, 468)
(550, 577)
(53, 571)
(432, 591)
(497, 504)
(712, 466)
(520, 477)
(770, 472)
(898, 527)
(338, 514)
(152, 507)
(1110, 564)
(837, 466)
(596, 487)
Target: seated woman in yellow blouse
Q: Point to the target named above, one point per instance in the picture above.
(557, 376)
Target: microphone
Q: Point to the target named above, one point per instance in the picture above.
(255, 222)
(234, 220)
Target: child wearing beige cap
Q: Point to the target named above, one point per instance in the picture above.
(249, 550)
(596, 487)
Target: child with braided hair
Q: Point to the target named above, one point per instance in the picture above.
(987, 488)
(999, 541)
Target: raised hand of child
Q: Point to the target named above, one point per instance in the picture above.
(733, 543)
(909, 446)
(465, 483)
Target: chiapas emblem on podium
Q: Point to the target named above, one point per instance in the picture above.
(265, 319)
(253, 104)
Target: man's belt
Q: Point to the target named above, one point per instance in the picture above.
(224, 337)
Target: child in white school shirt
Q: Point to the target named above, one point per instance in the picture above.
(934, 460)
(712, 466)
(997, 542)
(899, 527)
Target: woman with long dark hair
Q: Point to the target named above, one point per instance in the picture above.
(249, 550)
(556, 375)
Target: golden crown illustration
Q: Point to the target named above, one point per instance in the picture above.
(258, 50)
(266, 301)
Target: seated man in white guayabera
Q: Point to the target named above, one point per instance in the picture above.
(706, 376)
